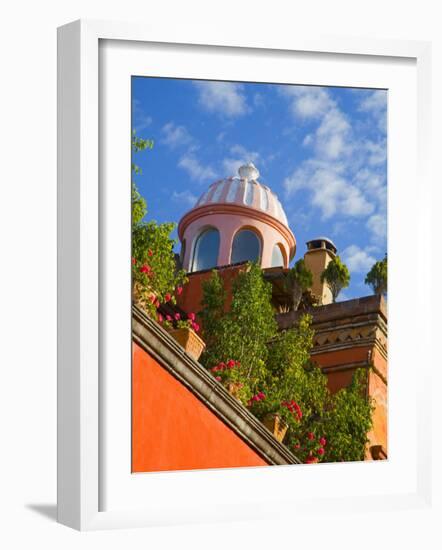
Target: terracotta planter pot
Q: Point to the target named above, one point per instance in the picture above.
(233, 388)
(190, 341)
(277, 425)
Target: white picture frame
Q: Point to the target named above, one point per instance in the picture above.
(80, 441)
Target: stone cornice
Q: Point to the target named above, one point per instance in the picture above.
(229, 209)
(355, 323)
(171, 356)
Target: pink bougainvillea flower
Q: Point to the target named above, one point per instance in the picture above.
(320, 451)
(160, 318)
(261, 395)
(191, 316)
(218, 378)
(168, 318)
(152, 298)
(179, 290)
(311, 436)
(149, 252)
(157, 304)
(134, 261)
(231, 363)
(195, 327)
(311, 460)
(145, 268)
(177, 316)
(323, 441)
(297, 445)
(167, 297)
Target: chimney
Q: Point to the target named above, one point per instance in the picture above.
(320, 252)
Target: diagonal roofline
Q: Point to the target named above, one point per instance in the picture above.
(170, 355)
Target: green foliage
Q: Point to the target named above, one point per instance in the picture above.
(377, 277)
(139, 207)
(243, 332)
(298, 280)
(154, 274)
(271, 372)
(301, 275)
(337, 276)
(348, 420)
(212, 317)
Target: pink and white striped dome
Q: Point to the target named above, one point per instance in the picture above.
(237, 219)
(244, 190)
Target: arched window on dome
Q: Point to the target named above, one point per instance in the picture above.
(278, 259)
(205, 252)
(246, 247)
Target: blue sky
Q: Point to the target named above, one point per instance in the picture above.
(322, 150)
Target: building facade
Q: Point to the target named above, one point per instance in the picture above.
(238, 219)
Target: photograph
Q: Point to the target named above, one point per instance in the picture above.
(259, 274)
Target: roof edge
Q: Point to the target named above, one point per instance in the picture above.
(170, 355)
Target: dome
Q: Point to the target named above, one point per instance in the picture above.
(237, 219)
(244, 190)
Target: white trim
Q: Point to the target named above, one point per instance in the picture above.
(78, 255)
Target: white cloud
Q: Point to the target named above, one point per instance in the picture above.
(332, 135)
(329, 189)
(357, 259)
(377, 151)
(195, 169)
(238, 155)
(184, 197)
(377, 224)
(225, 98)
(331, 138)
(375, 102)
(373, 184)
(141, 120)
(175, 136)
(345, 176)
(307, 101)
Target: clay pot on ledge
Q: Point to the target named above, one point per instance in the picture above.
(189, 340)
(277, 425)
(233, 388)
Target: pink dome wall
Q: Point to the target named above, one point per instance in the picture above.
(234, 204)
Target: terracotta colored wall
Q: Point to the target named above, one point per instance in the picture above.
(378, 390)
(173, 430)
(340, 379)
(376, 385)
(190, 299)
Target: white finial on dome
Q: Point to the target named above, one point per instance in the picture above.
(248, 171)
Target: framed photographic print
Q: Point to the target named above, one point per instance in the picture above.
(227, 211)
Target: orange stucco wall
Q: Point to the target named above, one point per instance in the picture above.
(173, 430)
(377, 388)
(341, 378)
(190, 299)
(378, 391)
